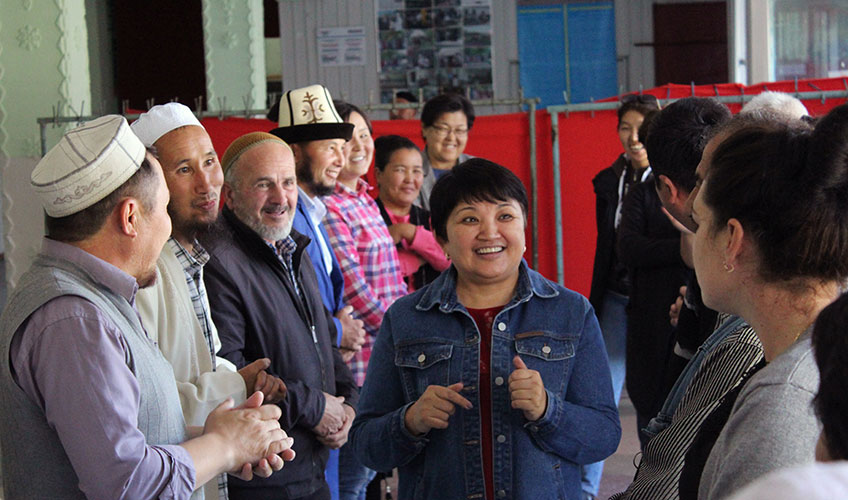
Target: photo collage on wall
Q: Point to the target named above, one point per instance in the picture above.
(435, 45)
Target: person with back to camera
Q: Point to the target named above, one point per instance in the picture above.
(776, 256)
(649, 245)
(490, 360)
(399, 175)
(445, 123)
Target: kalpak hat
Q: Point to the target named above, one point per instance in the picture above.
(161, 119)
(88, 164)
(308, 114)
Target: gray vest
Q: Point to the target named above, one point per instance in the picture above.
(34, 463)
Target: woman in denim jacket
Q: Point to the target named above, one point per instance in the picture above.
(491, 382)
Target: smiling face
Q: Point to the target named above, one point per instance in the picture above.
(319, 164)
(628, 134)
(446, 138)
(194, 178)
(401, 178)
(264, 192)
(485, 242)
(359, 151)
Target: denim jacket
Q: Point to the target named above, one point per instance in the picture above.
(428, 338)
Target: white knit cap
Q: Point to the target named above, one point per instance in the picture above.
(161, 119)
(87, 164)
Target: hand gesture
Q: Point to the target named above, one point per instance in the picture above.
(353, 331)
(338, 439)
(250, 436)
(527, 391)
(333, 418)
(434, 408)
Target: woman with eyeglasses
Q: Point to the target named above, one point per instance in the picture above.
(445, 122)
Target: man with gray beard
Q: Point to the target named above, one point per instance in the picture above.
(264, 298)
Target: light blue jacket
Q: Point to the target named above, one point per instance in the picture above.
(428, 337)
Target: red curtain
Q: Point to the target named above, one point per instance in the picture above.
(588, 144)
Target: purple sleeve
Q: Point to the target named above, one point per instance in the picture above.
(71, 361)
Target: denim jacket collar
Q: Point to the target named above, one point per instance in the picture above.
(442, 291)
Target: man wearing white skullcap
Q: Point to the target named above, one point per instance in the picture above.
(90, 407)
(175, 310)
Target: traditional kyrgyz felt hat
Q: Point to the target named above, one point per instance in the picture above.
(308, 114)
(241, 145)
(87, 164)
(161, 119)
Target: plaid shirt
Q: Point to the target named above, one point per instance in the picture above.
(369, 262)
(193, 269)
(192, 263)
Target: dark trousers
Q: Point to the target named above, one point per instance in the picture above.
(272, 493)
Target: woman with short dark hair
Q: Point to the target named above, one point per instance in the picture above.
(491, 381)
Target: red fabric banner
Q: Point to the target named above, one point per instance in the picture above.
(588, 144)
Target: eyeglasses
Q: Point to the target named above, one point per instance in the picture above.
(641, 98)
(443, 131)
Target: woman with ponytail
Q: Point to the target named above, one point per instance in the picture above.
(771, 247)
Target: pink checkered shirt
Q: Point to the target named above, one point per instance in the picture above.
(368, 259)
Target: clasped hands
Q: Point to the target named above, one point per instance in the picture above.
(435, 407)
(333, 428)
(250, 437)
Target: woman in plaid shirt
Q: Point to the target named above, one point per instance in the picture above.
(369, 262)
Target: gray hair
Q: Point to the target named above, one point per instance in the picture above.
(777, 103)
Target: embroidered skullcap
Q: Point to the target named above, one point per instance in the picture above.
(308, 114)
(86, 165)
(241, 145)
(161, 119)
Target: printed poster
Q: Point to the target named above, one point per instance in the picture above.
(436, 46)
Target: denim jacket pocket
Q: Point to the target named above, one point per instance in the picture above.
(422, 364)
(549, 355)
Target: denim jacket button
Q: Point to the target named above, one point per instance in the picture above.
(499, 380)
(422, 358)
(546, 349)
(502, 326)
(502, 438)
(501, 493)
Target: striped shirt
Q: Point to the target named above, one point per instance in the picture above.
(368, 260)
(192, 264)
(721, 370)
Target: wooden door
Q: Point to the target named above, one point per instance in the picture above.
(690, 43)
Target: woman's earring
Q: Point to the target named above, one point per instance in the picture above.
(729, 267)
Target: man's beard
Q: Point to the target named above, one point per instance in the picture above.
(190, 229)
(255, 223)
(307, 177)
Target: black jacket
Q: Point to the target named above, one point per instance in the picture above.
(649, 245)
(606, 201)
(258, 314)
